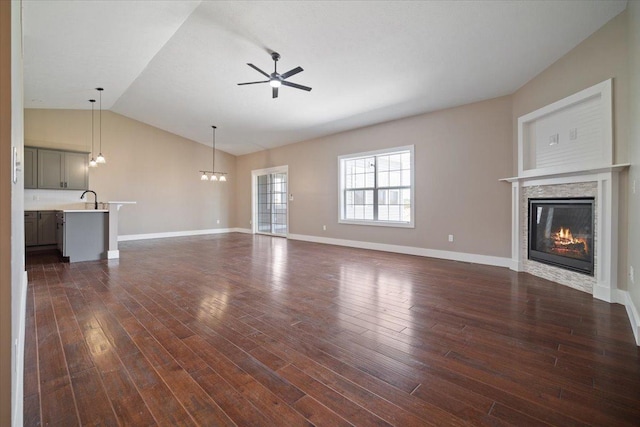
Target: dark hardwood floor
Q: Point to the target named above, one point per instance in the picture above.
(251, 330)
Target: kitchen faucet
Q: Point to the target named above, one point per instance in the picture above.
(95, 198)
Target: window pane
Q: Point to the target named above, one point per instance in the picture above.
(406, 177)
(395, 162)
(383, 163)
(383, 179)
(383, 213)
(394, 213)
(359, 212)
(368, 212)
(368, 197)
(369, 180)
(359, 180)
(406, 160)
(406, 208)
(395, 178)
(350, 212)
(383, 196)
(358, 197)
(394, 197)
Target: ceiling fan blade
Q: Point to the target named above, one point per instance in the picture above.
(297, 86)
(274, 92)
(252, 83)
(259, 70)
(291, 72)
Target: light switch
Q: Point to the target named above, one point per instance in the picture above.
(554, 139)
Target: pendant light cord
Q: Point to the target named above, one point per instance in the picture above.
(100, 124)
(92, 101)
(213, 156)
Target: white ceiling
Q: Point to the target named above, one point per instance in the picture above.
(176, 64)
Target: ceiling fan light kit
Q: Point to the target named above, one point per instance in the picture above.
(275, 79)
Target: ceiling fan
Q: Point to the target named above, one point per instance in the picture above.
(276, 80)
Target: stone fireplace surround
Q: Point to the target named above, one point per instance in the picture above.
(602, 185)
(560, 275)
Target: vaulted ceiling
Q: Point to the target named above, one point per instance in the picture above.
(176, 64)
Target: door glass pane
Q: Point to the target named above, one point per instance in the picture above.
(272, 203)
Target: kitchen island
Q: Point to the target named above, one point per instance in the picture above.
(83, 234)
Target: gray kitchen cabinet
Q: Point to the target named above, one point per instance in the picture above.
(62, 170)
(40, 228)
(31, 228)
(46, 227)
(30, 167)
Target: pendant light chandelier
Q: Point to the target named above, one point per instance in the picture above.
(100, 158)
(92, 162)
(212, 175)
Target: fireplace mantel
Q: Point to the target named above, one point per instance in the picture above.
(568, 174)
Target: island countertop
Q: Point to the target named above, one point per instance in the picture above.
(83, 210)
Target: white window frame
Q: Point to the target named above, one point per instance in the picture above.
(341, 187)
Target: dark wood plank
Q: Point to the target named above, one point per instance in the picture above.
(264, 331)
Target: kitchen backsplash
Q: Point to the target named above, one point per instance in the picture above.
(54, 199)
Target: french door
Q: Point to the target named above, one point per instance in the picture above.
(270, 214)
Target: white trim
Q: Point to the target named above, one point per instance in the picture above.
(408, 250)
(240, 230)
(113, 254)
(602, 89)
(632, 313)
(341, 160)
(128, 237)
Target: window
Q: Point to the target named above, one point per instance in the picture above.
(376, 188)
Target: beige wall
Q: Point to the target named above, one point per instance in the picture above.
(460, 154)
(602, 56)
(633, 10)
(157, 169)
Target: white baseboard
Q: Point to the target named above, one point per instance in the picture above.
(632, 313)
(408, 250)
(242, 230)
(128, 237)
(115, 254)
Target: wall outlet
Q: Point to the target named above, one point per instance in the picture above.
(631, 274)
(451, 237)
(324, 228)
(633, 186)
(291, 197)
(250, 222)
(217, 221)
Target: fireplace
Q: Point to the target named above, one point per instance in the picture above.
(561, 233)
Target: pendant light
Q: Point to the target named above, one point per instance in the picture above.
(92, 162)
(100, 158)
(213, 174)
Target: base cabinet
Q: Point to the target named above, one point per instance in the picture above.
(40, 228)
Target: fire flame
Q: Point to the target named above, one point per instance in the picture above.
(564, 238)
